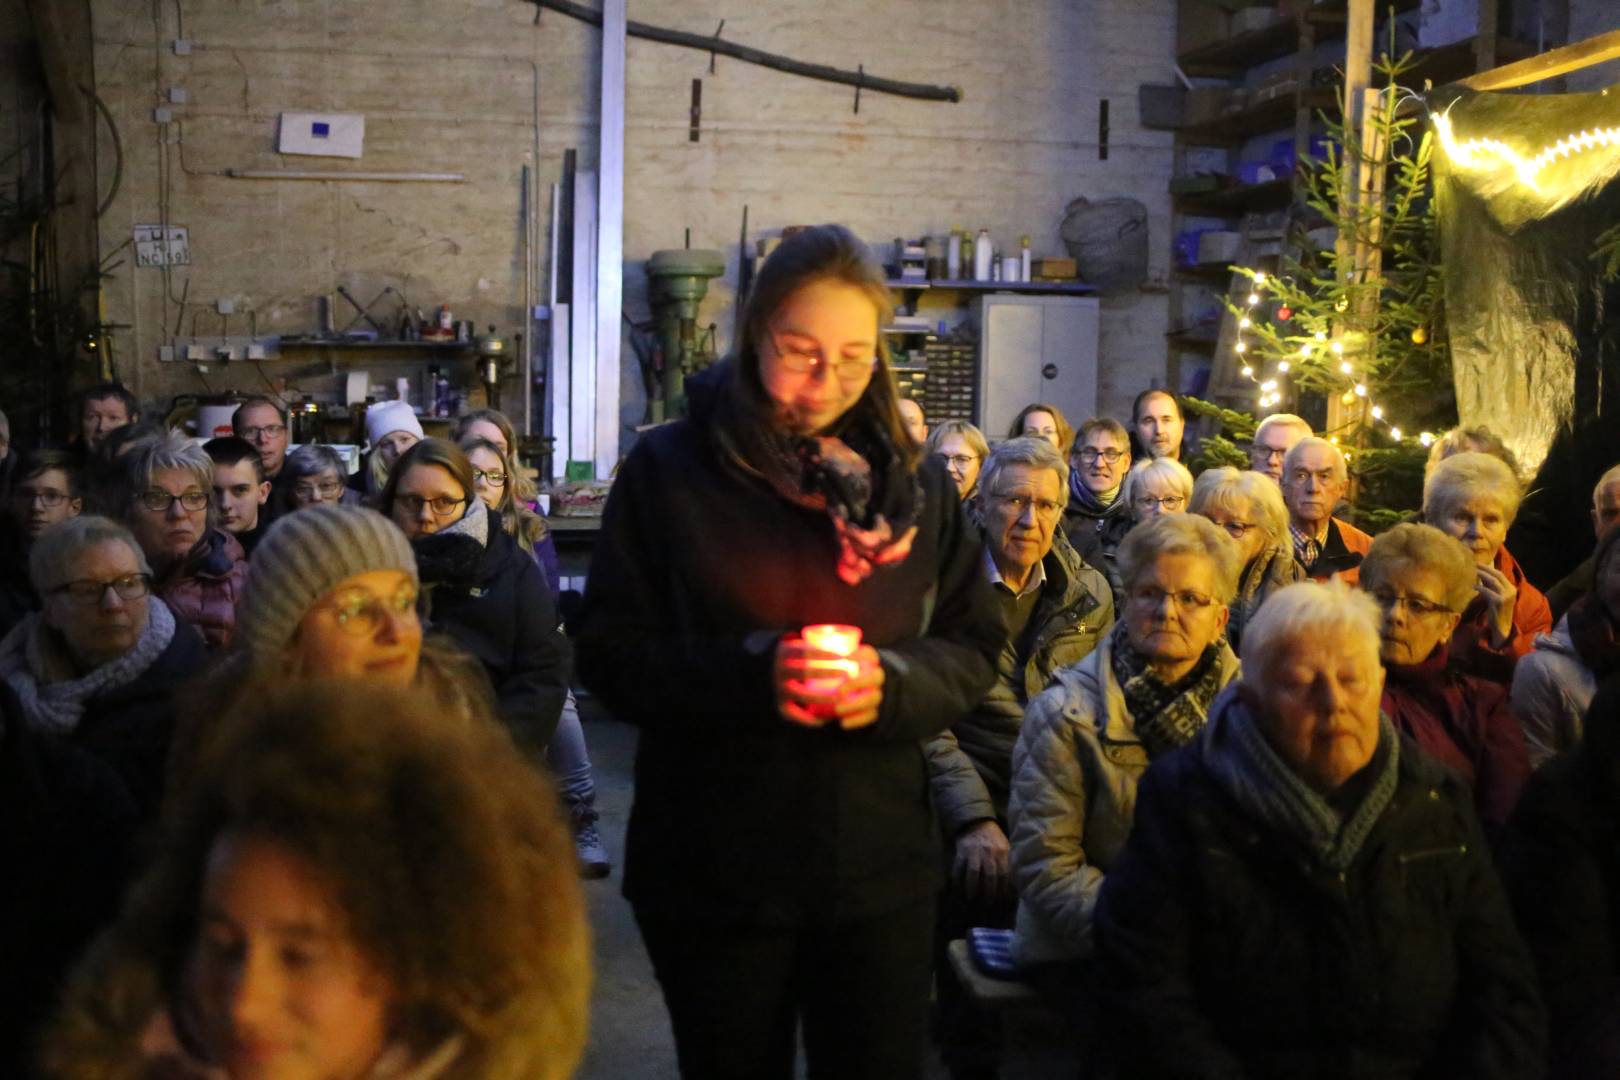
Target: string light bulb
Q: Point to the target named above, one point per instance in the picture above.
(1361, 390)
(1321, 335)
(1240, 347)
(1248, 372)
(1269, 385)
(1345, 368)
(1426, 438)
(1377, 412)
(1338, 348)
(1282, 366)
(1395, 433)
(1244, 323)
(1254, 298)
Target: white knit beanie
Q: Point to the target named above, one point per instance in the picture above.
(386, 417)
(305, 555)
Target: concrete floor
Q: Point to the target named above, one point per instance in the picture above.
(630, 1035)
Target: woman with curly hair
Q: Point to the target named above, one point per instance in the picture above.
(344, 901)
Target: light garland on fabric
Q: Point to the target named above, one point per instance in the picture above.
(1483, 153)
(1269, 385)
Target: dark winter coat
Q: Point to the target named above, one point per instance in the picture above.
(492, 600)
(970, 763)
(1229, 951)
(205, 589)
(1464, 723)
(67, 847)
(741, 816)
(1560, 858)
(1097, 536)
(131, 726)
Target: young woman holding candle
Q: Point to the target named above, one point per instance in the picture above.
(781, 856)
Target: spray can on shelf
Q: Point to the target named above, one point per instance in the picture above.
(953, 254)
(984, 256)
(1024, 260)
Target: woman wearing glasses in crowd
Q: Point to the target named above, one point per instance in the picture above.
(962, 449)
(1249, 506)
(480, 587)
(497, 482)
(1088, 739)
(782, 858)
(199, 569)
(315, 476)
(331, 594)
(99, 664)
(1423, 580)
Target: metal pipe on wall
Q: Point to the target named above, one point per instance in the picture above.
(610, 236)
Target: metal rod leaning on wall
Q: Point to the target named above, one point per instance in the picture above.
(923, 91)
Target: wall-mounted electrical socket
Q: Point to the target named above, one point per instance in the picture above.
(217, 349)
(225, 305)
(160, 115)
(177, 95)
(182, 47)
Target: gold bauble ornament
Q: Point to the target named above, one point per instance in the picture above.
(1419, 335)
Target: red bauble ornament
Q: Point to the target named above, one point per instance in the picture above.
(1285, 313)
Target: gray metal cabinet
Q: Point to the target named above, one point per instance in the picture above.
(1036, 348)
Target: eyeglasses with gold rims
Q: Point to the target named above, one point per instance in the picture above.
(361, 612)
(1188, 600)
(802, 361)
(89, 591)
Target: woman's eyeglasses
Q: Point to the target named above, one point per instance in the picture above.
(1415, 605)
(800, 362)
(493, 479)
(1150, 597)
(89, 591)
(362, 613)
(442, 505)
(325, 489)
(1169, 502)
(158, 500)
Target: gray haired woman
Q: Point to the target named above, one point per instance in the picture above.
(1303, 892)
(1088, 738)
(1249, 506)
(98, 666)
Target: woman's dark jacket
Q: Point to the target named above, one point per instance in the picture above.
(492, 600)
(1228, 951)
(741, 816)
(1561, 861)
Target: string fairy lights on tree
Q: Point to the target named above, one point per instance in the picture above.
(1313, 329)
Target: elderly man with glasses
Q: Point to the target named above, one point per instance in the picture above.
(98, 666)
(1275, 436)
(1314, 481)
(1055, 609)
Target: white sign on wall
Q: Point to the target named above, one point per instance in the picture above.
(157, 246)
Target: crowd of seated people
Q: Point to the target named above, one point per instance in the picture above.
(1243, 789)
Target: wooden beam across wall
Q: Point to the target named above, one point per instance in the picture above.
(1549, 65)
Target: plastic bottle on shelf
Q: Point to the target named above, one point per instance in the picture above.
(983, 256)
(1024, 260)
(953, 254)
(968, 257)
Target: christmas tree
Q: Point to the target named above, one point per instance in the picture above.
(1357, 327)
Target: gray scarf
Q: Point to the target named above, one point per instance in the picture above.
(474, 523)
(33, 665)
(1249, 770)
